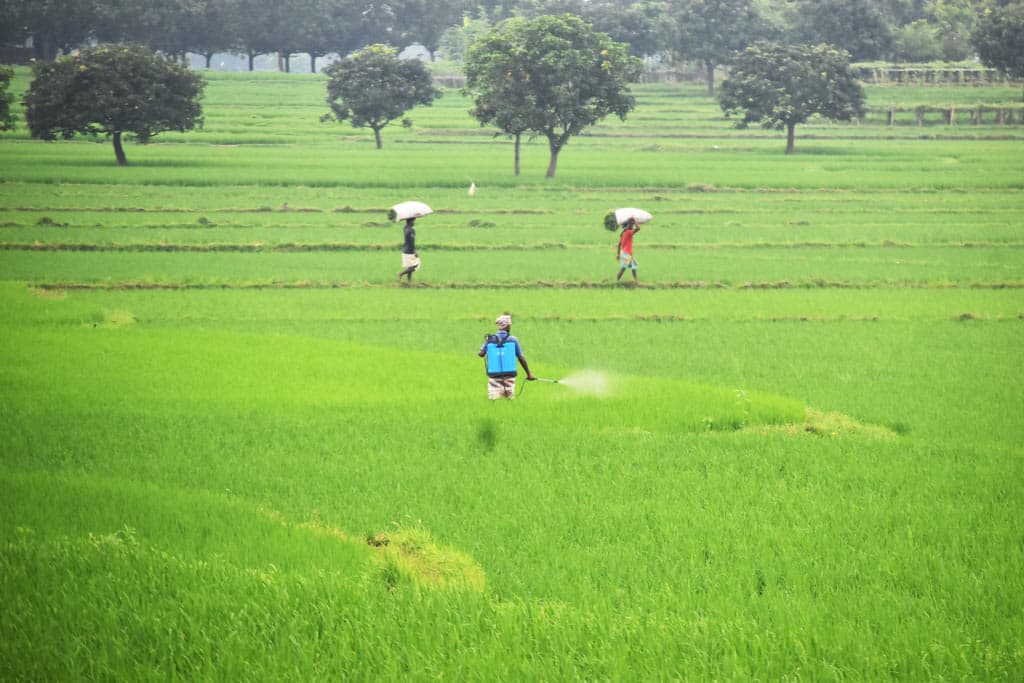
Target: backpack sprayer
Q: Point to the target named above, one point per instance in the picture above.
(500, 359)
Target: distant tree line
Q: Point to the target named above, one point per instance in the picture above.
(550, 75)
(245, 27)
(709, 32)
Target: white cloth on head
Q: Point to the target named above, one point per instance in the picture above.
(503, 321)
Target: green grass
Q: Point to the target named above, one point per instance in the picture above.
(236, 448)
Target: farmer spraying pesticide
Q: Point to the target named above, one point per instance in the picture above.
(501, 352)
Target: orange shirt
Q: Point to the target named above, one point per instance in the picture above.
(626, 241)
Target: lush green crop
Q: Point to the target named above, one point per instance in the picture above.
(236, 448)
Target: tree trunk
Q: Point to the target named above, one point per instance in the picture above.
(790, 136)
(122, 160)
(376, 136)
(252, 58)
(555, 148)
(45, 47)
(709, 67)
(209, 58)
(516, 154)
(312, 63)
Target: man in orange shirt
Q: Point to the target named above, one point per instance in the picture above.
(624, 253)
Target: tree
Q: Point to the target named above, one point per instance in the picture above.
(112, 90)
(298, 22)
(335, 26)
(496, 10)
(373, 87)
(58, 25)
(999, 36)
(857, 26)
(917, 41)
(456, 41)
(254, 27)
(213, 28)
(783, 85)
(560, 76)
(6, 98)
(713, 31)
(955, 20)
(901, 12)
(641, 25)
(168, 26)
(497, 73)
(425, 21)
(12, 30)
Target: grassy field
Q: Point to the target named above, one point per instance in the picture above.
(235, 448)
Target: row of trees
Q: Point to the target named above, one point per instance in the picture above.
(705, 31)
(247, 27)
(552, 76)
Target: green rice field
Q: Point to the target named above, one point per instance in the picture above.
(236, 448)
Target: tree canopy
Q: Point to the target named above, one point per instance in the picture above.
(712, 31)
(112, 90)
(425, 21)
(708, 32)
(6, 98)
(373, 87)
(781, 86)
(552, 75)
(497, 73)
(999, 36)
(55, 25)
(857, 26)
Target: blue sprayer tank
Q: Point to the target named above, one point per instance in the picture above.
(501, 357)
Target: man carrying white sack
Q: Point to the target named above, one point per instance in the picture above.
(410, 258)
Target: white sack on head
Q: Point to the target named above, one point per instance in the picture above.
(406, 210)
(639, 215)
